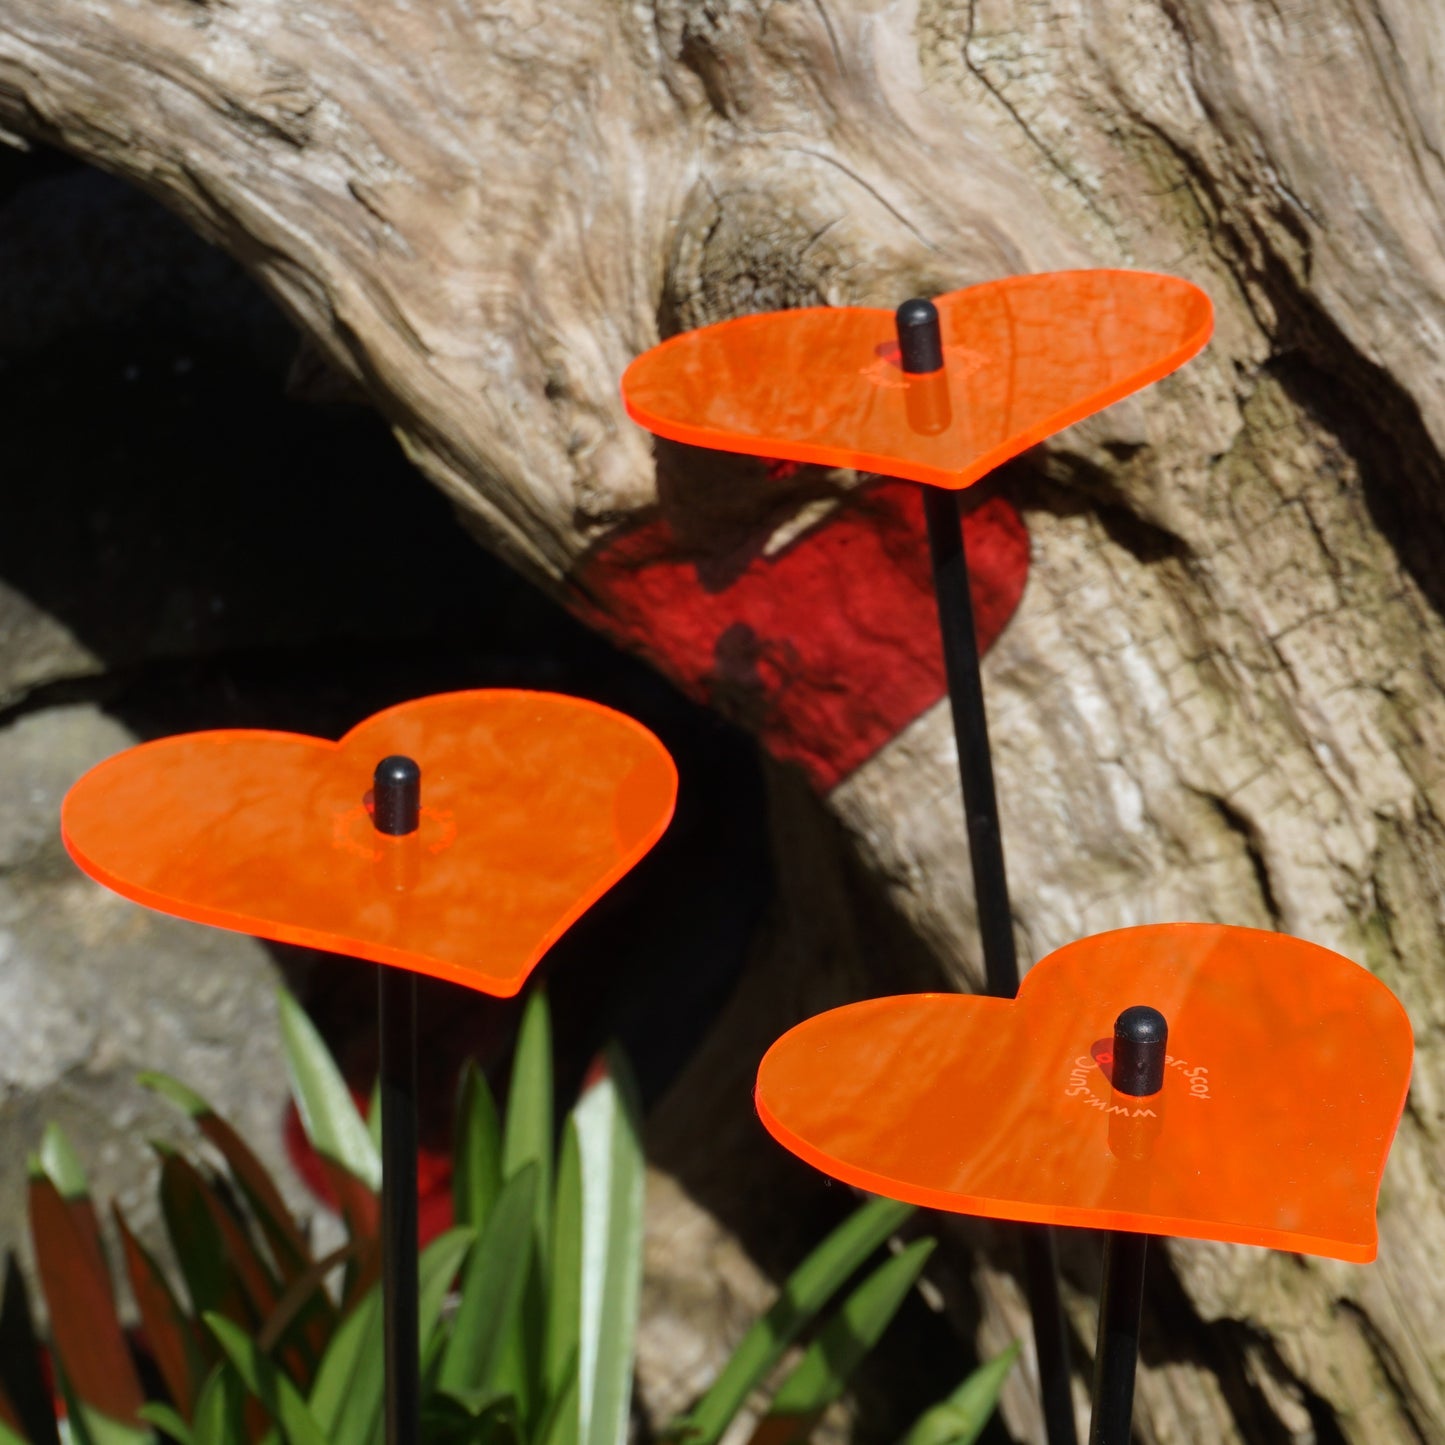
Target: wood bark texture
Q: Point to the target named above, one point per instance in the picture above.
(1223, 695)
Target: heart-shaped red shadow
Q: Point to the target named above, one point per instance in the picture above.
(1287, 1073)
(533, 805)
(1024, 357)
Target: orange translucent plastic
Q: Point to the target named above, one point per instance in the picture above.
(1024, 357)
(1288, 1068)
(533, 805)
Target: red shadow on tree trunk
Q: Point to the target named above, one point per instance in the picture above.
(826, 649)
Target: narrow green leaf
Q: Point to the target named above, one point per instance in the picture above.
(194, 1236)
(184, 1098)
(527, 1140)
(202, 1233)
(288, 1244)
(168, 1421)
(822, 1375)
(221, 1410)
(561, 1424)
(564, 1305)
(476, 1150)
(440, 1261)
(492, 1289)
(527, 1137)
(102, 1430)
(328, 1114)
(9, 1437)
(346, 1398)
(805, 1292)
(88, 1426)
(62, 1165)
(609, 1139)
(959, 1420)
(280, 1399)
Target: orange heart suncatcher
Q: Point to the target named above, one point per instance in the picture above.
(533, 805)
(1287, 1073)
(1024, 357)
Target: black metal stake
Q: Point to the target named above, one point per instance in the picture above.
(1116, 1356)
(920, 346)
(1051, 1333)
(970, 731)
(396, 812)
(1141, 1037)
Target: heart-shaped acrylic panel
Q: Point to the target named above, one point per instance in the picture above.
(1024, 357)
(533, 805)
(1287, 1073)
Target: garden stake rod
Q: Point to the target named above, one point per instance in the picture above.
(921, 353)
(396, 813)
(1141, 1041)
(920, 344)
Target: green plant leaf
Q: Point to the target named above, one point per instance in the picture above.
(88, 1426)
(221, 1409)
(89, 1344)
(219, 1259)
(168, 1421)
(8, 1436)
(25, 1403)
(493, 1285)
(564, 1305)
(181, 1095)
(805, 1292)
(330, 1117)
(281, 1400)
(440, 1261)
(527, 1139)
(346, 1398)
(822, 1375)
(102, 1430)
(62, 1165)
(561, 1424)
(476, 1150)
(284, 1236)
(196, 1238)
(527, 1134)
(609, 1139)
(959, 1420)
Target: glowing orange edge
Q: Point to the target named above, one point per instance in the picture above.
(505, 987)
(953, 481)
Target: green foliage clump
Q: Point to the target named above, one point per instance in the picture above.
(528, 1305)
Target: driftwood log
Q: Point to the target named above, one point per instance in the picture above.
(1222, 695)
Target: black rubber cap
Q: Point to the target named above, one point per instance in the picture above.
(396, 797)
(920, 342)
(1141, 1043)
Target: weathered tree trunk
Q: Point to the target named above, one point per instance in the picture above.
(1223, 695)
